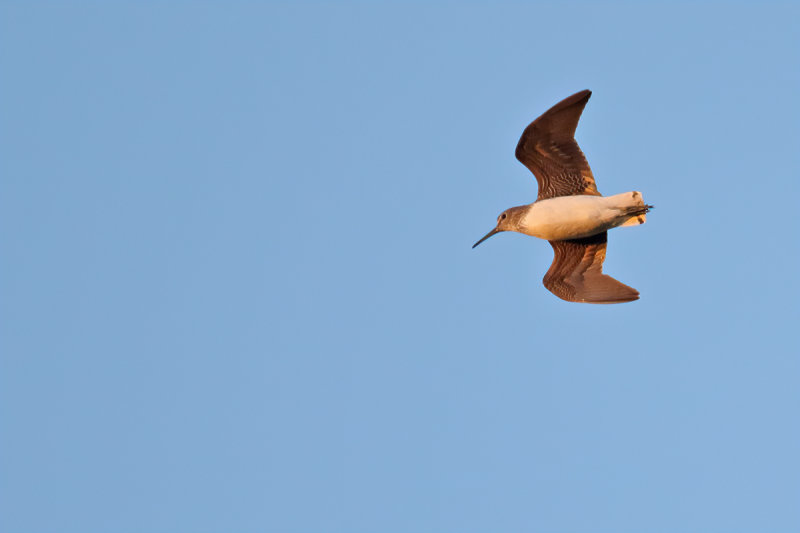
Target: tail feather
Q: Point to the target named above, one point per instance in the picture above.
(638, 209)
(637, 214)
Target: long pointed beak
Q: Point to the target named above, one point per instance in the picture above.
(495, 230)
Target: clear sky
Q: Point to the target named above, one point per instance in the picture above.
(237, 292)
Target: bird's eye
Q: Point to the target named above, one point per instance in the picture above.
(503, 216)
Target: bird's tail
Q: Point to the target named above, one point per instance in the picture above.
(636, 214)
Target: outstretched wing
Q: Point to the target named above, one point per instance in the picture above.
(576, 274)
(548, 148)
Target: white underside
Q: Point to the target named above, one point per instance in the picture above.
(573, 217)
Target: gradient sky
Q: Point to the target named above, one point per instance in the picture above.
(237, 292)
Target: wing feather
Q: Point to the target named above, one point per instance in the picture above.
(549, 150)
(576, 274)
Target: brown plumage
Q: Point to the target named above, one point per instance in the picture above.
(549, 150)
(576, 274)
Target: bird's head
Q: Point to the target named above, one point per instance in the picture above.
(507, 221)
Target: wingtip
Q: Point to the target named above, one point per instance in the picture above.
(580, 95)
(612, 301)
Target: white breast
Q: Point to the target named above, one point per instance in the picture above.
(573, 217)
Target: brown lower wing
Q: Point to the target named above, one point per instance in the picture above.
(576, 274)
(549, 150)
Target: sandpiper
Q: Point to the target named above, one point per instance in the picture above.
(569, 211)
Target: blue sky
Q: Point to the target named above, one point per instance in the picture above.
(238, 292)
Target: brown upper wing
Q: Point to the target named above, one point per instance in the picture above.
(548, 148)
(576, 274)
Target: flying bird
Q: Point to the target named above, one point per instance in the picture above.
(569, 211)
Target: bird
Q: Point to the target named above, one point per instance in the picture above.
(569, 211)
